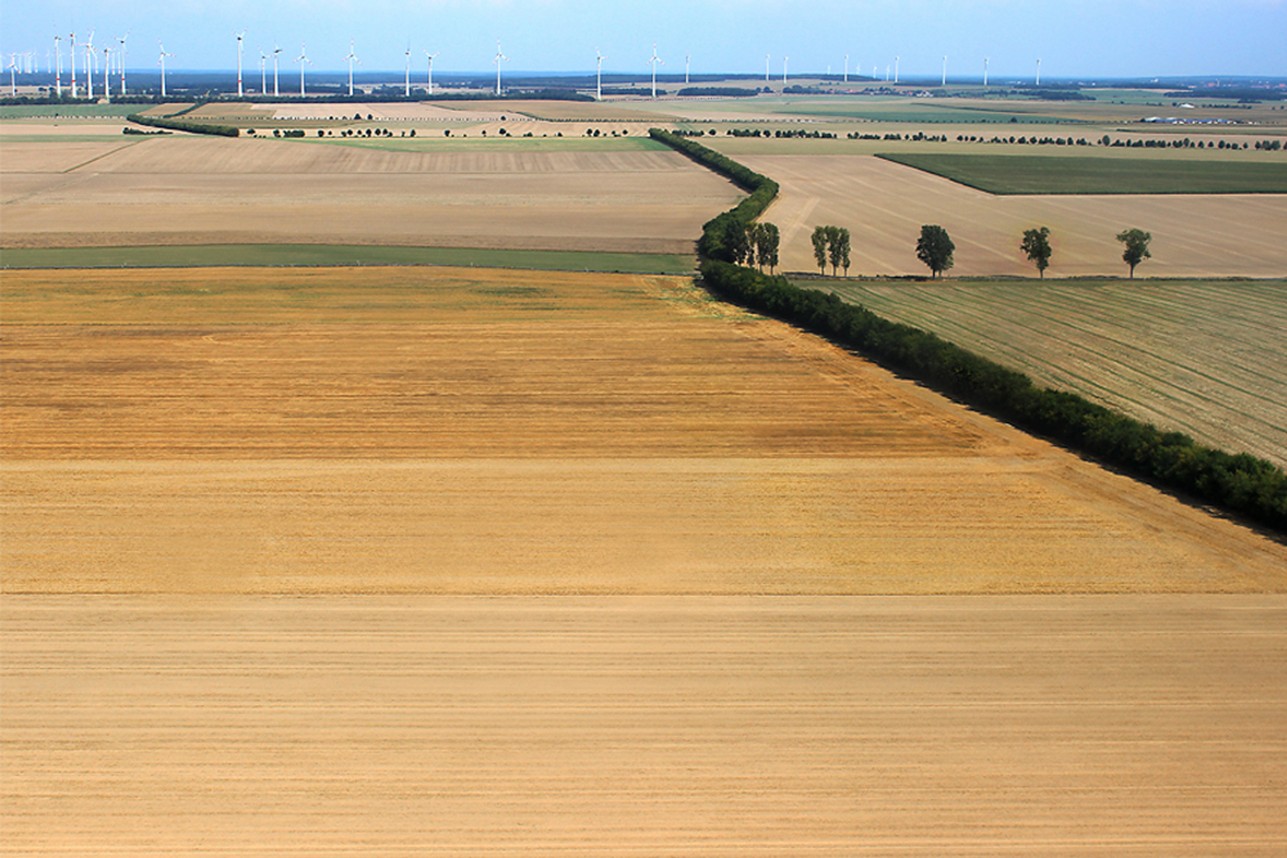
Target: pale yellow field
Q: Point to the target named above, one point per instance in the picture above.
(187, 190)
(885, 204)
(427, 431)
(977, 726)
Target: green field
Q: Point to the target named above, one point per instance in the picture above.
(1040, 174)
(68, 111)
(1204, 357)
(269, 255)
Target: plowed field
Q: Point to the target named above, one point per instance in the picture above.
(187, 190)
(885, 205)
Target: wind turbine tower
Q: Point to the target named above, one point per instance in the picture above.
(302, 59)
(277, 56)
(107, 73)
(598, 75)
(162, 62)
(986, 60)
(90, 62)
(654, 62)
(1038, 72)
(767, 58)
(407, 90)
(58, 65)
(688, 65)
(786, 61)
(13, 70)
(846, 68)
(120, 60)
(498, 59)
(241, 40)
(897, 61)
(73, 65)
(263, 73)
(352, 58)
(430, 57)
(944, 71)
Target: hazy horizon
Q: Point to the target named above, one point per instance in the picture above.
(1092, 39)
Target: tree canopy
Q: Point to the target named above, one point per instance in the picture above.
(935, 249)
(1136, 242)
(1036, 244)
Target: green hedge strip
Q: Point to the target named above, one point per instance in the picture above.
(183, 125)
(1241, 483)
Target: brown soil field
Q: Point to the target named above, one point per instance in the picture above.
(457, 431)
(186, 190)
(979, 726)
(885, 204)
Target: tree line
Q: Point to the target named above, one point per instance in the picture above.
(1241, 483)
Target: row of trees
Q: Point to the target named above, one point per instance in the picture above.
(835, 245)
(935, 248)
(1239, 483)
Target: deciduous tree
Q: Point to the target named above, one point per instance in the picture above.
(820, 243)
(935, 249)
(1136, 242)
(1036, 243)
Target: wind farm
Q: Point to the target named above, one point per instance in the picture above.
(507, 441)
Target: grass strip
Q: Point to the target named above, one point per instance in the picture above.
(341, 256)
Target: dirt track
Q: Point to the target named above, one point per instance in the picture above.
(963, 727)
(885, 205)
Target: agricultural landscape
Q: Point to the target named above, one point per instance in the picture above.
(432, 493)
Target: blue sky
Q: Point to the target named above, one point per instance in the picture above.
(1087, 38)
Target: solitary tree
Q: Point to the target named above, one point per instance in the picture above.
(935, 249)
(767, 241)
(1036, 243)
(1136, 241)
(821, 240)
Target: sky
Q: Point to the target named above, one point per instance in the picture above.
(1073, 38)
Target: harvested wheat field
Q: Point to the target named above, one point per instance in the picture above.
(188, 190)
(885, 204)
(455, 431)
(981, 726)
(282, 550)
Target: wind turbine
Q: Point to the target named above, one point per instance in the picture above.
(73, 65)
(408, 88)
(897, 61)
(241, 39)
(654, 62)
(1038, 72)
(986, 60)
(90, 63)
(58, 65)
(688, 65)
(107, 73)
(944, 70)
(263, 72)
(598, 85)
(302, 59)
(162, 62)
(13, 70)
(352, 58)
(767, 58)
(846, 68)
(786, 61)
(120, 60)
(277, 56)
(498, 59)
(430, 57)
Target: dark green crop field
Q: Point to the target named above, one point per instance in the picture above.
(1041, 174)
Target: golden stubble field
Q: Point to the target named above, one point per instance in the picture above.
(885, 205)
(188, 190)
(434, 561)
